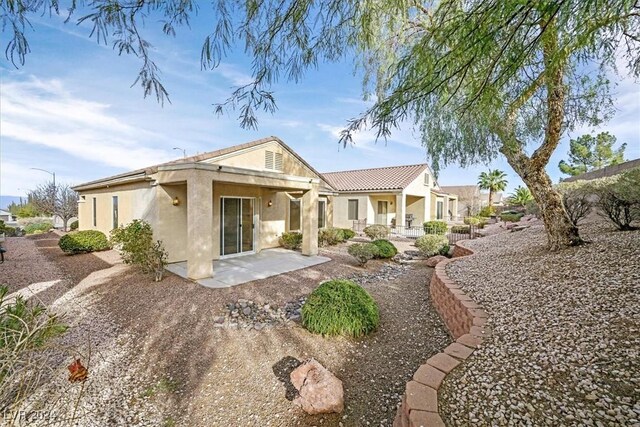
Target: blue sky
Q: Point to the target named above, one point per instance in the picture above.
(71, 109)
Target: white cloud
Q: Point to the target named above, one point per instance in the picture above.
(43, 113)
(234, 75)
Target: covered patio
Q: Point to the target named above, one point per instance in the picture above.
(242, 269)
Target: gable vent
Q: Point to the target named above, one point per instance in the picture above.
(278, 161)
(268, 159)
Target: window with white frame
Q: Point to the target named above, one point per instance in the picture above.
(426, 178)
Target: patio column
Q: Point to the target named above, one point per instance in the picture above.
(199, 225)
(310, 222)
(400, 210)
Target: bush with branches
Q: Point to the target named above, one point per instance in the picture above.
(435, 227)
(136, 245)
(376, 231)
(290, 240)
(330, 236)
(576, 198)
(363, 252)
(618, 198)
(432, 244)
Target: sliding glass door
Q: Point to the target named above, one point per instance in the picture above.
(236, 225)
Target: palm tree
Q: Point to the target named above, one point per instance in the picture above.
(494, 180)
(521, 196)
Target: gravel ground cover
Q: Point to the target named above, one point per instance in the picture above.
(566, 332)
(195, 373)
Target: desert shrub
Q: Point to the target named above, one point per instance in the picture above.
(290, 240)
(444, 251)
(510, 217)
(376, 231)
(38, 227)
(340, 307)
(83, 241)
(576, 198)
(73, 225)
(363, 252)
(618, 198)
(435, 227)
(330, 236)
(348, 233)
(25, 330)
(137, 247)
(431, 244)
(487, 211)
(386, 249)
(461, 229)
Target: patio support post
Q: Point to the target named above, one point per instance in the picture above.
(199, 225)
(310, 222)
(400, 210)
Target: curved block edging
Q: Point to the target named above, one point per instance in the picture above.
(465, 320)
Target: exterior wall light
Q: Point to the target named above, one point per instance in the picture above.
(269, 203)
(175, 201)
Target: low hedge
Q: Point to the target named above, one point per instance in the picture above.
(461, 229)
(340, 307)
(510, 217)
(83, 241)
(435, 227)
(38, 227)
(376, 231)
(432, 244)
(386, 249)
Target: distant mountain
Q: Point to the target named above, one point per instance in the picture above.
(7, 200)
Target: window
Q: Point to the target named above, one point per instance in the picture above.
(273, 160)
(322, 213)
(439, 209)
(426, 178)
(115, 211)
(353, 210)
(294, 215)
(95, 220)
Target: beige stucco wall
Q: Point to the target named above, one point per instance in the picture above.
(391, 208)
(171, 223)
(416, 205)
(135, 201)
(340, 209)
(254, 158)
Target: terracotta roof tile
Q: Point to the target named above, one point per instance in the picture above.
(387, 178)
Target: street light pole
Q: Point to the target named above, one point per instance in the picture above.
(54, 190)
(184, 152)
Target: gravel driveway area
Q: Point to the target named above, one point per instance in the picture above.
(566, 332)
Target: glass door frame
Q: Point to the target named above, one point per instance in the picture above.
(254, 222)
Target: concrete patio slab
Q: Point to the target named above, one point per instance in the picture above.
(242, 269)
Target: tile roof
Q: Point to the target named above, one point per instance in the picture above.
(387, 178)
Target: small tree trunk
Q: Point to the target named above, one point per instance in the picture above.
(561, 232)
(490, 199)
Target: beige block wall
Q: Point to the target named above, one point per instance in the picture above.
(171, 223)
(135, 201)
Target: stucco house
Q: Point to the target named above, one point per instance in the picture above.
(223, 203)
(397, 196)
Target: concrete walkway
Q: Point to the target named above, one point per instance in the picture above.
(242, 269)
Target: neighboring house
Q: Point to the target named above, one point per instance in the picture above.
(398, 195)
(498, 199)
(469, 198)
(5, 216)
(219, 204)
(605, 171)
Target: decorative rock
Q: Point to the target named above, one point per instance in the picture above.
(319, 391)
(434, 260)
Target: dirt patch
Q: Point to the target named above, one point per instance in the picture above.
(222, 376)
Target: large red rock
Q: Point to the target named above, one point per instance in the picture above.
(434, 260)
(319, 391)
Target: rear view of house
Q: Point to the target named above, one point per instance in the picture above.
(224, 203)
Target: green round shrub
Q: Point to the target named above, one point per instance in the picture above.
(431, 244)
(290, 240)
(348, 233)
(330, 236)
(435, 227)
(386, 249)
(83, 241)
(340, 307)
(510, 217)
(74, 225)
(461, 229)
